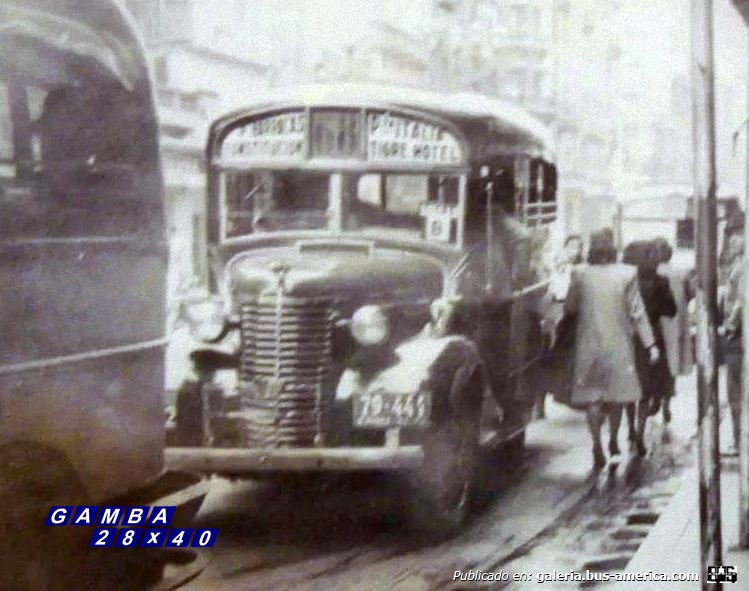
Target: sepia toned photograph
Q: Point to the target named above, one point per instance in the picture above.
(413, 295)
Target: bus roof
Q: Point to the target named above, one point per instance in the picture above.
(97, 29)
(459, 108)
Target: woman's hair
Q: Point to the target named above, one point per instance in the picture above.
(643, 254)
(601, 256)
(665, 251)
(602, 250)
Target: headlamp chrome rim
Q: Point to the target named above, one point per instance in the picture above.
(369, 325)
(206, 319)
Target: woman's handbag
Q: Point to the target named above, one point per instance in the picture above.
(729, 346)
(563, 359)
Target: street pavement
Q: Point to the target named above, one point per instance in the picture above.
(352, 536)
(678, 529)
(605, 530)
(543, 512)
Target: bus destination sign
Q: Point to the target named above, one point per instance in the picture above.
(391, 138)
(271, 138)
(397, 138)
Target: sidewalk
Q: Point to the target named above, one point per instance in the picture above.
(673, 545)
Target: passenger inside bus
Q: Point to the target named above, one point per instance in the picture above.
(266, 201)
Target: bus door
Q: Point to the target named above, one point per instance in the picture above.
(514, 222)
(490, 287)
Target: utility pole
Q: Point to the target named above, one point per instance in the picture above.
(708, 419)
(744, 405)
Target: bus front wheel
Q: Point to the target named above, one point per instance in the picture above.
(442, 486)
(34, 478)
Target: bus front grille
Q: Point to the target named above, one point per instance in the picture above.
(286, 357)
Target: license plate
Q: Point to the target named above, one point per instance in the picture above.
(388, 409)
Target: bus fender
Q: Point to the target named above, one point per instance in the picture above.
(441, 367)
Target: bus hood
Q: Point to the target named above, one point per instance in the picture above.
(352, 275)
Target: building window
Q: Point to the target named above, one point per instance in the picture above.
(534, 21)
(519, 82)
(520, 19)
(189, 102)
(239, 14)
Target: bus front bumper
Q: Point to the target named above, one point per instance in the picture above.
(243, 460)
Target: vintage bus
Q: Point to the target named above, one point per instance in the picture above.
(82, 293)
(377, 265)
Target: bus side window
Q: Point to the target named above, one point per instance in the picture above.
(443, 189)
(7, 152)
(74, 161)
(504, 188)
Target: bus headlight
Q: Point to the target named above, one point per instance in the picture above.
(369, 325)
(206, 320)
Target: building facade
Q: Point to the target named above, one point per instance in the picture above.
(556, 58)
(202, 66)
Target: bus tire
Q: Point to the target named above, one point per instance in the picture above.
(37, 557)
(442, 486)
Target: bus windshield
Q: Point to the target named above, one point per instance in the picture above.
(264, 201)
(268, 201)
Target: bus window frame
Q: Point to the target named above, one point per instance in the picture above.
(29, 168)
(334, 194)
(218, 167)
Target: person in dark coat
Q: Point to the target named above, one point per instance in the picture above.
(656, 379)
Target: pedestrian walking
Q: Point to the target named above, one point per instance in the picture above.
(572, 254)
(732, 351)
(606, 297)
(656, 379)
(676, 331)
(560, 326)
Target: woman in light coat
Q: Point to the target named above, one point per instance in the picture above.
(609, 307)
